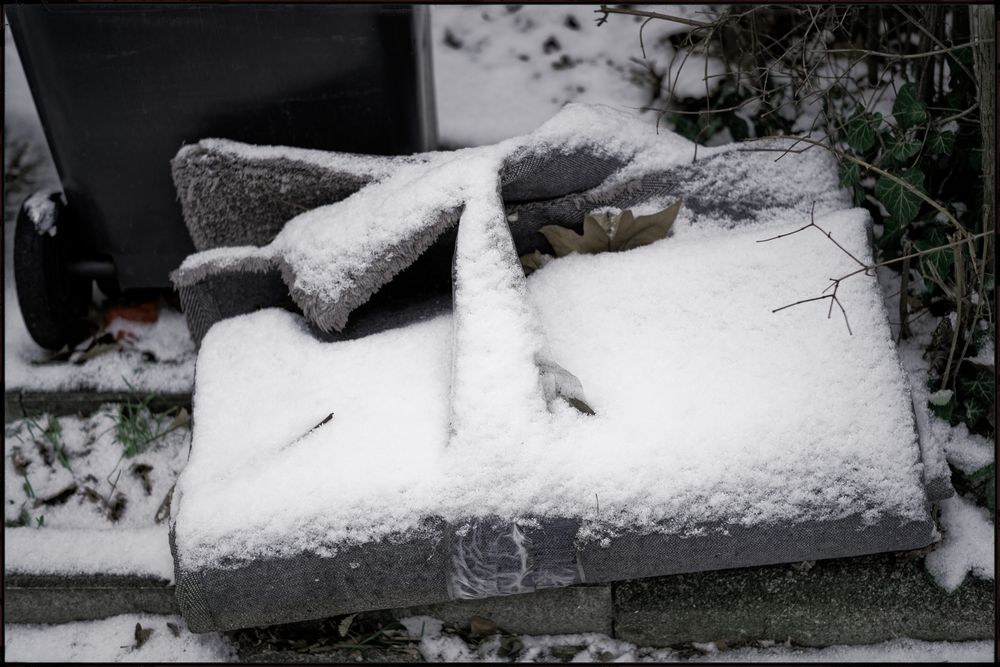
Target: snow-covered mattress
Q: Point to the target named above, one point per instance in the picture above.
(436, 449)
(725, 435)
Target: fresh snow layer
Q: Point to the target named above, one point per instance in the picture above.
(592, 647)
(113, 640)
(138, 551)
(968, 546)
(158, 357)
(709, 407)
(500, 71)
(95, 465)
(75, 534)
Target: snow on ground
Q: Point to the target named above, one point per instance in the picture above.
(968, 544)
(74, 502)
(969, 533)
(436, 646)
(502, 70)
(114, 640)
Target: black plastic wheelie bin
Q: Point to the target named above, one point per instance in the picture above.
(121, 87)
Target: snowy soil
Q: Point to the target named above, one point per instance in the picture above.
(114, 640)
(76, 502)
(968, 531)
(437, 644)
(501, 71)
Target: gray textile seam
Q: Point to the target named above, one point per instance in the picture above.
(486, 557)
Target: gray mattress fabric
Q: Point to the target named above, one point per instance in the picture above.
(403, 429)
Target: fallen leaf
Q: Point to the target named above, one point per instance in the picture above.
(565, 241)
(97, 346)
(59, 498)
(566, 653)
(345, 625)
(182, 418)
(141, 635)
(580, 405)
(174, 630)
(606, 231)
(481, 627)
(163, 511)
(634, 232)
(141, 471)
(117, 507)
(20, 462)
(510, 646)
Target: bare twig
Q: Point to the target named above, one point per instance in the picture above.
(605, 10)
(812, 223)
(867, 165)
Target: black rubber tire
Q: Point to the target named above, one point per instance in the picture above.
(53, 303)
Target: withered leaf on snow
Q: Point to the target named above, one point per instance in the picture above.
(603, 232)
(141, 635)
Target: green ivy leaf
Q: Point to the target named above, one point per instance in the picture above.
(941, 143)
(861, 130)
(903, 149)
(892, 236)
(850, 174)
(980, 387)
(907, 109)
(901, 203)
(943, 260)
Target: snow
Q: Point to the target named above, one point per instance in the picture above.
(42, 212)
(78, 535)
(679, 363)
(113, 640)
(500, 71)
(968, 544)
(967, 452)
(95, 460)
(169, 370)
(66, 551)
(436, 646)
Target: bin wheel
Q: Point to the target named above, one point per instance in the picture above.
(54, 303)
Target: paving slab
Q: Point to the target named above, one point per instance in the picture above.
(845, 601)
(548, 612)
(61, 599)
(22, 403)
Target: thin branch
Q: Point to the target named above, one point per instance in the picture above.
(841, 154)
(812, 223)
(911, 56)
(605, 10)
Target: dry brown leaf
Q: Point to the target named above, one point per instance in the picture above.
(603, 232)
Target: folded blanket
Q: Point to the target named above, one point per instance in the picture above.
(432, 452)
(330, 260)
